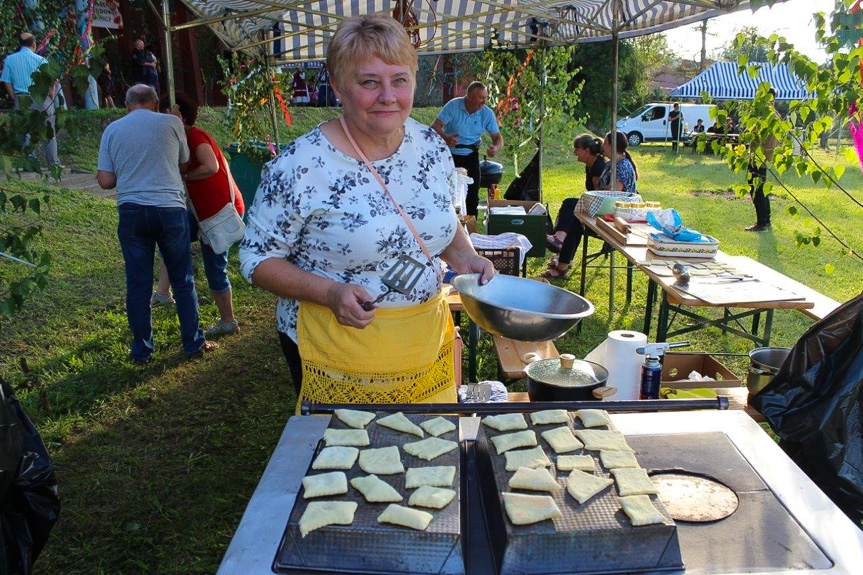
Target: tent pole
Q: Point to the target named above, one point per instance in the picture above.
(541, 117)
(273, 120)
(615, 41)
(169, 57)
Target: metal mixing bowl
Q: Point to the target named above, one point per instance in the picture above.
(520, 308)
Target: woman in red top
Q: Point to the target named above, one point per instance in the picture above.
(208, 188)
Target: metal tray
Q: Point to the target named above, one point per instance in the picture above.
(367, 546)
(596, 537)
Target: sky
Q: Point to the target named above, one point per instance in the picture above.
(791, 19)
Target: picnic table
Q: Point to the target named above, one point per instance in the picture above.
(676, 300)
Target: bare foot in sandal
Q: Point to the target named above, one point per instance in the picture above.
(556, 273)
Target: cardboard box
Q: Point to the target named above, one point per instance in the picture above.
(676, 367)
(532, 227)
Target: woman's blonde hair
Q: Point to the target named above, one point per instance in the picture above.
(362, 38)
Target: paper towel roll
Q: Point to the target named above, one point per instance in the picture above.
(617, 354)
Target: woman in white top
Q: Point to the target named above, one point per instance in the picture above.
(323, 230)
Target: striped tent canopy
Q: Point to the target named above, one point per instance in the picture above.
(300, 29)
(722, 82)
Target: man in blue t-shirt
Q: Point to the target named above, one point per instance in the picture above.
(461, 123)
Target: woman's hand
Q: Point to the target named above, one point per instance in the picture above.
(482, 266)
(346, 303)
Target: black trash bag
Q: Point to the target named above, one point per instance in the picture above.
(815, 406)
(31, 503)
(525, 187)
(11, 438)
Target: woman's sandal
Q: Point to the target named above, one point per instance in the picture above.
(553, 244)
(556, 273)
(552, 264)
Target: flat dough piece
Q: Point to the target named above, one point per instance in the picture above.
(430, 448)
(322, 513)
(561, 440)
(549, 416)
(503, 443)
(617, 459)
(400, 422)
(354, 417)
(433, 497)
(375, 489)
(527, 509)
(406, 517)
(593, 417)
(506, 422)
(533, 480)
(438, 426)
(336, 458)
(383, 461)
(335, 483)
(347, 437)
(602, 440)
(633, 481)
(581, 462)
(641, 510)
(582, 486)
(441, 476)
(532, 458)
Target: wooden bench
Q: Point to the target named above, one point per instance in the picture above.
(510, 352)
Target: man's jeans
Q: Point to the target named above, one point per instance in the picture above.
(51, 145)
(139, 230)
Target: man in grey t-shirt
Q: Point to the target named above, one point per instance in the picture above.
(141, 155)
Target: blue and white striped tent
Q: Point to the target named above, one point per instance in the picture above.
(303, 27)
(722, 82)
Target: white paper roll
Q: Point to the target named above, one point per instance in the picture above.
(617, 354)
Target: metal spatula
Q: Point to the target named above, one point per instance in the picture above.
(401, 277)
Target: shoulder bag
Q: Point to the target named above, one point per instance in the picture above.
(225, 228)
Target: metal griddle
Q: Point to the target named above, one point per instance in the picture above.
(367, 546)
(761, 535)
(594, 537)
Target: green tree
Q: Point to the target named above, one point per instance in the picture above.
(638, 61)
(530, 89)
(24, 269)
(752, 45)
(836, 91)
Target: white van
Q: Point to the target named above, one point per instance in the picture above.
(650, 123)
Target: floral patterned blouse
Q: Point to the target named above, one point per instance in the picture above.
(625, 175)
(326, 213)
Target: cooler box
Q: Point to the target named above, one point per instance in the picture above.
(676, 368)
(532, 227)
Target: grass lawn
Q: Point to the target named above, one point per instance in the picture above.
(156, 464)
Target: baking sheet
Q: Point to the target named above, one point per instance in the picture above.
(384, 548)
(596, 537)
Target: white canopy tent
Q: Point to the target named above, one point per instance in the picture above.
(722, 82)
(445, 26)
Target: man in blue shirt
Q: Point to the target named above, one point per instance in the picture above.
(17, 71)
(461, 123)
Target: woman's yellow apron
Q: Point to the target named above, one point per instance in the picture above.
(404, 356)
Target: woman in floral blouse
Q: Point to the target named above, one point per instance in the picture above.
(626, 172)
(323, 230)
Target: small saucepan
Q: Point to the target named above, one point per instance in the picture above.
(567, 379)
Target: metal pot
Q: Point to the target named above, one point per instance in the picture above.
(566, 379)
(764, 363)
(490, 173)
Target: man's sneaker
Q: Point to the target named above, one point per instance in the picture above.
(221, 328)
(159, 299)
(758, 228)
